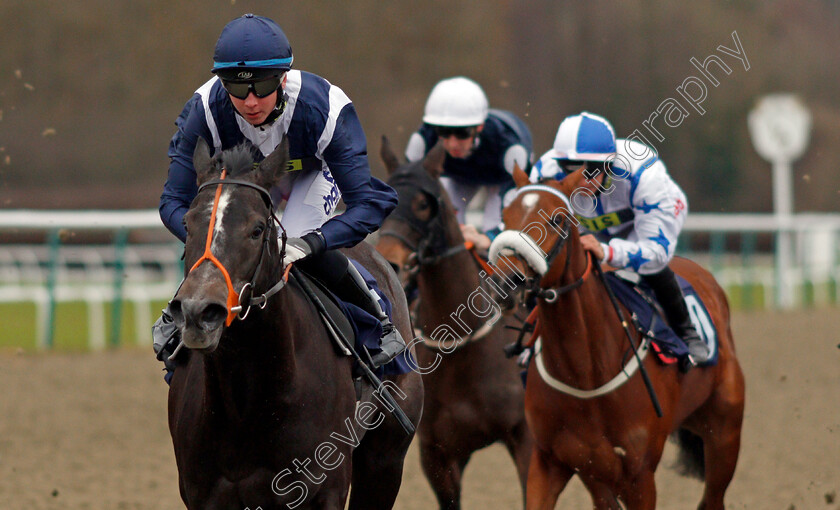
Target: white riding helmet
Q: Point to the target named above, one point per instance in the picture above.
(456, 102)
(584, 137)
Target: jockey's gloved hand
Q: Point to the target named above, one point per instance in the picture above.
(298, 248)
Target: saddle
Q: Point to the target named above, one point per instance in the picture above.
(646, 315)
(649, 319)
(356, 325)
(341, 318)
(336, 309)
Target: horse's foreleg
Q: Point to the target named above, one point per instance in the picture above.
(444, 471)
(640, 492)
(603, 497)
(519, 444)
(546, 480)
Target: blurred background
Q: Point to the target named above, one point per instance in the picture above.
(89, 91)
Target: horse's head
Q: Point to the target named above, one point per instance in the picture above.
(541, 230)
(231, 240)
(423, 225)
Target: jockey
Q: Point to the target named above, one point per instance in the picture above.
(256, 96)
(629, 207)
(482, 146)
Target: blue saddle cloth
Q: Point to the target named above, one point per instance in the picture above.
(637, 297)
(368, 330)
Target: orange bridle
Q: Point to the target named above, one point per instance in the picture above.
(233, 297)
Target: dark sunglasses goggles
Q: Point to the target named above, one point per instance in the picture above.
(570, 165)
(262, 88)
(461, 133)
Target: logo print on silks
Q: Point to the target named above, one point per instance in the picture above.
(323, 193)
(330, 200)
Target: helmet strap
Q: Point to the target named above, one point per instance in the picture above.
(278, 109)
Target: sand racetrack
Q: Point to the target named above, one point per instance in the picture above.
(88, 431)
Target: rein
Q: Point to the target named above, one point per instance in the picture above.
(235, 303)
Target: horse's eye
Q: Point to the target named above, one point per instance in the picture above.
(423, 205)
(257, 232)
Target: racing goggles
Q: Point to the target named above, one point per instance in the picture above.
(262, 88)
(461, 133)
(570, 165)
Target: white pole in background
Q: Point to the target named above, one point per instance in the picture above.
(780, 127)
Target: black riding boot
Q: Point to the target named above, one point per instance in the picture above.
(166, 341)
(670, 296)
(349, 285)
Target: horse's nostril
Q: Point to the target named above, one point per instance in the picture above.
(175, 311)
(395, 266)
(213, 316)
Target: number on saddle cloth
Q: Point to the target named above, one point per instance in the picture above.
(638, 298)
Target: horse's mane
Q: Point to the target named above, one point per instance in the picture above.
(239, 160)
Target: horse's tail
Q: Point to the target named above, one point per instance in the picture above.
(690, 461)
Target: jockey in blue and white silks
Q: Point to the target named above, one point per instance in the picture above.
(630, 210)
(256, 96)
(482, 147)
(638, 212)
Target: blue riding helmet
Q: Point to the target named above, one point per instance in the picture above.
(584, 137)
(251, 48)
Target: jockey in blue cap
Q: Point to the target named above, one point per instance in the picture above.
(256, 96)
(633, 214)
(483, 146)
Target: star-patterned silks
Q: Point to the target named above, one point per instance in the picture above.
(646, 207)
(635, 260)
(661, 240)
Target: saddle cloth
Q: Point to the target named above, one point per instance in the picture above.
(365, 328)
(638, 297)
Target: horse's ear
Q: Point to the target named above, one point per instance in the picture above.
(202, 162)
(273, 167)
(389, 157)
(569, 183)
(433, 162)
(520, 178)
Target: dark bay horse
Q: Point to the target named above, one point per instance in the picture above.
(264, 413)
(473, 394)
(612, 439)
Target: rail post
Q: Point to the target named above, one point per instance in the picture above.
(47, 336)
(120, 241)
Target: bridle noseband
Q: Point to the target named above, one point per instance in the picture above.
(431, 248)
(236, 301)
(534, 287)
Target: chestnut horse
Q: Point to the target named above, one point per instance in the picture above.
(473, 394)
(605, 432)
(263, 413)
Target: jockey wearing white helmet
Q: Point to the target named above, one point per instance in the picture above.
(483, 146)
(255, 96)
(630, 210)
